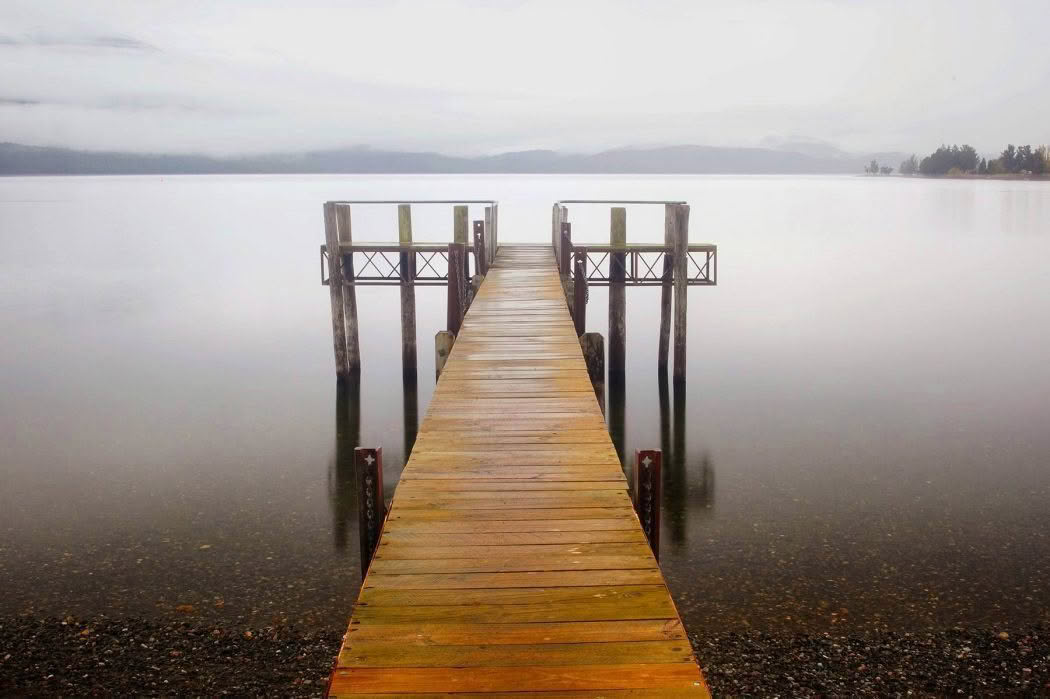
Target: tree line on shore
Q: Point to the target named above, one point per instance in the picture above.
(964, 160)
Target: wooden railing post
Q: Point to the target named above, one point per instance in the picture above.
(681, 279)
(593, 345)
(647, 492)
(408, 289)
(495, 230)
(579, 293)
(460, 233)
(566, 249)
(555, 230)
(665, 287)
(457, 287)
(371, 508)
(335, 290)
(481, 262)
(353, 344)
(617, 291)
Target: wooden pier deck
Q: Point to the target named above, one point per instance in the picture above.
(512, 561)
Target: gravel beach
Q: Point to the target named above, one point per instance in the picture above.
(103, 656)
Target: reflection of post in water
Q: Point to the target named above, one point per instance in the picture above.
(675, 489)
(705, 487)
(411, 411)
(342, 491)
(617, 398)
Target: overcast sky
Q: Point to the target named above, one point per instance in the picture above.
(470, 76)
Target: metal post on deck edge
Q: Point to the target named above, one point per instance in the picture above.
(481, 264)
(371, 508)
(579, 293)
(647, 493)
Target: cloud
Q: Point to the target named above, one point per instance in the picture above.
(87, 41)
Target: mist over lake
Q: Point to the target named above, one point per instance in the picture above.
(865, 441)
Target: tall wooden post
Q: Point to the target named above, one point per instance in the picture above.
(371, 508)
(647, 491)
(579, 293)
(490, 242)
(495, 229)
(665, 288)
(335, 290)
(443, 341)
(593, 345)
(410, 385)
(681, 277)
(353, 344)
(344, 492)
(457, 287)
(408, 289)
(481, 263)
(566, 250)
(617, 291)
(460, 233)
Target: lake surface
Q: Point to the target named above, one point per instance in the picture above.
(863, 442)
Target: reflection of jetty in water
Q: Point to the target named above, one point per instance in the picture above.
(342, 480)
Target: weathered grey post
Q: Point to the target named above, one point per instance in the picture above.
(408, 289)
(617, 291)
(353, 345)
(556, 230)
(593, 345)
(457, 286)
(490, 238)
(371, 508)
(681, 277)
(495, 229)
(647, 490)
(460, 234)
(665, 288)
(443, 341)
(579, 293)
(481, 262)
(335, 290)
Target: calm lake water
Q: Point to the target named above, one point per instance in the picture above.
(863, 442)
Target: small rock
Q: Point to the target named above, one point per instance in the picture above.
(1004, 636)
(185, 609)
(205, 547)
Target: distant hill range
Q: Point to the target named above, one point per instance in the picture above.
(17, 159)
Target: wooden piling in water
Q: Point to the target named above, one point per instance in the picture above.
(593, 345)
(681, 279)
(408, 290)
(335, 290)
(443, 341)
(647, 492)
(461, 234)
(579, 293)
(371, 508)
(618, 291)
(353, 343)
(457, 286)
(665, 289)
(481, 262)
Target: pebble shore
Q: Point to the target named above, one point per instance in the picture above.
(104, 657)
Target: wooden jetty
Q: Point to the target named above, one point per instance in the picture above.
(511, 560)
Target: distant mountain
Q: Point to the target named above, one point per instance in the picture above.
(17, 159)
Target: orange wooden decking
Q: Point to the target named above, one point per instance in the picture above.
(512, 560)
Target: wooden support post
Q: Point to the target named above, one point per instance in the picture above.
(618, 291)
(490, 242)
(555, 231)
(495, 230)
(371, 508)
(647, 491)
(461, 234)
(665, 288)
(681, 277)
(408, 290)
(566, 250)
(410, 385)
(343, 474)
(353, 344)
(481, 263)
(443, 341)
(579, 293)
(593, 345)
(457, 287)
(335, 290)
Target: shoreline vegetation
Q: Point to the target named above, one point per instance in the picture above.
(962, 162)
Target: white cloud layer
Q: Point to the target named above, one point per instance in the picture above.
(467, 76)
